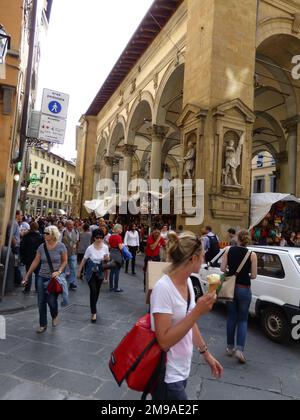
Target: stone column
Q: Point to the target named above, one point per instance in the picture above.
(291, 127)
(128, 151)
(97, 170)
(109, 162)
(158, 135)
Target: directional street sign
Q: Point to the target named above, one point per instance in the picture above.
(55, 104)
(52, 129)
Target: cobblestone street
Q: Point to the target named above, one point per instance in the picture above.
(71, 362)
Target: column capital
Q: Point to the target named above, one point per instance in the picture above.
(128, 150)
(109, 161)
(158, 132)
(291, 123)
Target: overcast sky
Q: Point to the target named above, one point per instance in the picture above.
(84, 41)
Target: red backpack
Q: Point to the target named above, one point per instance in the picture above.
(138, 359)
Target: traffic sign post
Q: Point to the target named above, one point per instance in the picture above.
(52, 129)
(53, 121)
(55, 104)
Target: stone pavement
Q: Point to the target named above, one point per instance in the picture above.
(71, 362)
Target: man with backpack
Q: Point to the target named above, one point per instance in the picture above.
(211, 244)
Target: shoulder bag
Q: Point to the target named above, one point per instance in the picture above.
(227, 291)
(54, 286)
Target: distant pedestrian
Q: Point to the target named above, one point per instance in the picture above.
(238, 310)
(116, 246)
(154, 244)
(85, 240)
(132, 241)
(15, 244)
(233, 240)
(29, 246)
(70, 240)
(211, 244)
(59, 258)
(93, 260)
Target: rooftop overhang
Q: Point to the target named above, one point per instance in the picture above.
(155, 20)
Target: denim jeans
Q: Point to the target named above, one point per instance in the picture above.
(114, 278)
(72, 267)
(45, 298)
(238, 314)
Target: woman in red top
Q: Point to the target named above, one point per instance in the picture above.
(154, 243)
(116, 246)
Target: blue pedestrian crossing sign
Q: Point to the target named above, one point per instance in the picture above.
(55, 104)
(55, 107)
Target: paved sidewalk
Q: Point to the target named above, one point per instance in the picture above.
(71, 362)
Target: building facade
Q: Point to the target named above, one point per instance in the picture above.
(210, 82)
(52, 181)
(26, 22)
(264, 173)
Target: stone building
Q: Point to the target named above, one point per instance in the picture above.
(52, 192)
(26, 22)
(220, 77)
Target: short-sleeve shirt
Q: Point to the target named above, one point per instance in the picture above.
(96, 255)
(115, 241)
(155, 252)
(166, 299)
(56, 258)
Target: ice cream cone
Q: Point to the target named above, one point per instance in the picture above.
(214, 282)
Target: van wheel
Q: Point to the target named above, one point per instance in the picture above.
(275, 325)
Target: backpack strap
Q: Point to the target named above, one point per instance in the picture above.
(49, 259)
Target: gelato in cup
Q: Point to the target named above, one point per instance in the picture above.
(214, 282)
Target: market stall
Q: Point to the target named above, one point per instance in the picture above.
(274, 217)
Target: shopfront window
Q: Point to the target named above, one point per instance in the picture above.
(270, 265)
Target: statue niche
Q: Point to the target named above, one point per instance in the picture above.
(233, 146)
(189, 159)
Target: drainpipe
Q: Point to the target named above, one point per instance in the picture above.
(23, 138)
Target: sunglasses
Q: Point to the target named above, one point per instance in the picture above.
(46, 233)
(98, 237)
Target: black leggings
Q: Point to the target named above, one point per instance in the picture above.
(95, 287)
(133, 250)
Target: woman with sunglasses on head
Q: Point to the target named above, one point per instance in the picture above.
(93, 260)
(174, 316)
(59, 258)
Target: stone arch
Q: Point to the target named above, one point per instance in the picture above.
(141, 109)
(117, 135)
(276, 127)
(163, 84)
(275, 26)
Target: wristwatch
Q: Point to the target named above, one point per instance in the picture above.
(203, 351)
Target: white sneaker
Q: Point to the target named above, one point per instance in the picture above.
(241, 357)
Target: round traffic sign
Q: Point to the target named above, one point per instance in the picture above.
(55, 107)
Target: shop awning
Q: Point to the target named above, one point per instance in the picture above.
(261, 205)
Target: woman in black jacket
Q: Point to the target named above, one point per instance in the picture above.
(29, 245)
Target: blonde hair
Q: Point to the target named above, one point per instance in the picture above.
(181, 249)
(54, 232)
(117, 228)
(244, 238)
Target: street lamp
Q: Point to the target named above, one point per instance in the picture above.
(4, 44)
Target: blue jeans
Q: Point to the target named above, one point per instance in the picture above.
(72, 261)
(238, 314)
(45, 298)
(114, 278)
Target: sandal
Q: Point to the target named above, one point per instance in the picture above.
(41, 330)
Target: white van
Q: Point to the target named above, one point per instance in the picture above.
(276, 291)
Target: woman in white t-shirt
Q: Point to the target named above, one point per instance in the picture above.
(94, 274)
(174, 315)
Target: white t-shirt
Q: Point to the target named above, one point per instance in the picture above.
(96, 255)
(166, 299)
